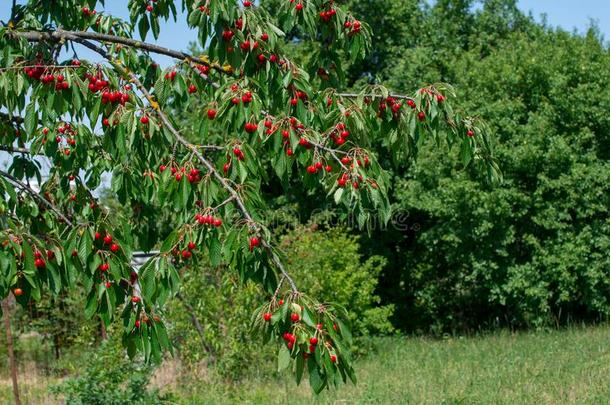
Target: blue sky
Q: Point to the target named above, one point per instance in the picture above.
(570, 14)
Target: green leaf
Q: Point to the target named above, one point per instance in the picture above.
(283, 358)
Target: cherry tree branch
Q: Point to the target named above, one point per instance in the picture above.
(59, 34)
(205, 162)
(36, 196)
(14, 149)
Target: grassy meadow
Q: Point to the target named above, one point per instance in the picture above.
(569, 366)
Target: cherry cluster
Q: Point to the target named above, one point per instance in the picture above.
(326, 15)
(354, 26)
(208, 220)
(193, 176)
(41, 72)
(339, 134)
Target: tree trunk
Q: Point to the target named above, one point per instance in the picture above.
(11, 352)
(103, 330)
(199, 328)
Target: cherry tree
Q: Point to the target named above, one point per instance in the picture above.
(259, 116)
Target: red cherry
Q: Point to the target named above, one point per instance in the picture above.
(333, 358)
(311, 169)
(149, 8)
(114, 248)
(280, 302)
(421, 116)
(299, 6)
(162, 168)
(191, 245)
(144, 119)
(135, 299)
(265, 36)
(137, 323)
(313, 341)
(18, 292)
(247, 3)
(104, 267)
(39, 263)
(470, 133)
(192, 89)
(254, 242)
(108, 284)
(186, 254)
(289, 152)
(50, 255)
(211, 114)
(218, 222)
(267, 316)
(107, 240)
(294, 317)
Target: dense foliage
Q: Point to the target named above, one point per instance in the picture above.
(533, 251)
(266, 120)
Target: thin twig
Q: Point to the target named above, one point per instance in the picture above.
(37, 196)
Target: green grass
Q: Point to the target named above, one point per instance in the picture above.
(558, 367)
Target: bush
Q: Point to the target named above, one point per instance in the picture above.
(108, 378)
(328, 265)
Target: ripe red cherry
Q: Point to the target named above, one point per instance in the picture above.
(218, 222)
(192, 89)
(162, 168)
(191, 245)
(328, 168)
(267, 316)
(211, 113)
(313, 341)
(45, 130)
(250, 127)
(135, 299)
(247, 3)
(289, 152)
(265, 36)
(114, 248)
(39, 263)
(178, 176)
(149, 8)
(144, 119)
(280, 302)
(104, 267)
(18, 292)
(311, 169)
(299, 6)
(294, 317)
(254, 242)
(108, 284)
(470, 133)
(50, 255)
(421, 116)
(318, 165)
(107, 240)
(137, 323)
(186, 254)
(333, 358)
